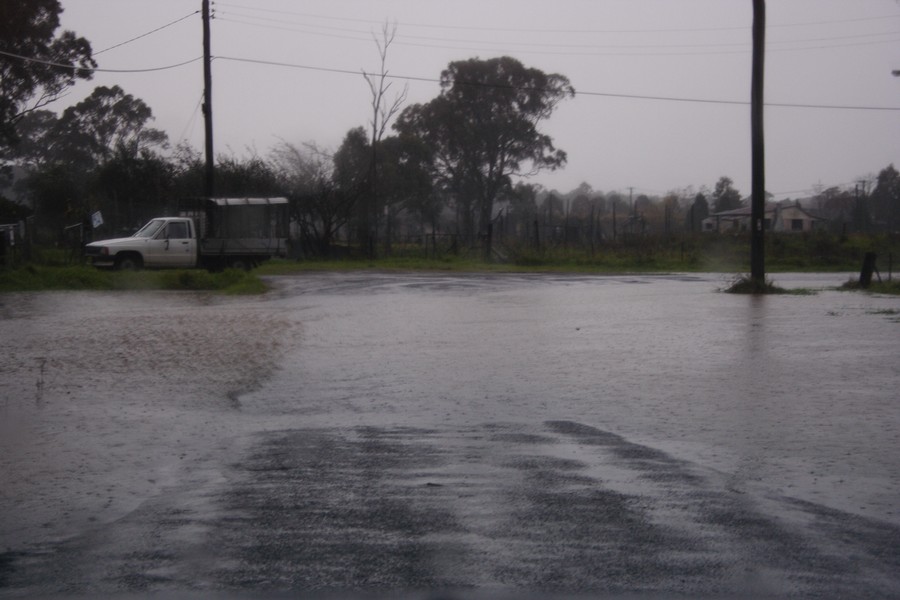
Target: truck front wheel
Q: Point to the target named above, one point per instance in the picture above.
(129, 262)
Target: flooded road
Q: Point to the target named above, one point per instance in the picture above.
(480, 433)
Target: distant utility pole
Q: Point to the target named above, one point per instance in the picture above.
(758, 164)
(209, 187)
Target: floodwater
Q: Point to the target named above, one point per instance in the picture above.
(481, 432)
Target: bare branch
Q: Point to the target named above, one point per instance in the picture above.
(383, 111)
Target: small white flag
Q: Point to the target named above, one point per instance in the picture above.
(96, 220)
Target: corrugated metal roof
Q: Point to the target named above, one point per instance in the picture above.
(248, 201)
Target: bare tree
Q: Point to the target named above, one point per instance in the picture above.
(318, 206)
(384, 108)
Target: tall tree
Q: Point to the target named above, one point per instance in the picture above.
(885, 199)
(483, 129)
(352, 161)
(36, 64)
(724, 196)
(523, 208)
(131, 189)
(36, 133)
(107, 121)
(698, 211)
(406, 183)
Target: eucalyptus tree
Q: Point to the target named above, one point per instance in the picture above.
(483, 129)
(37, 64)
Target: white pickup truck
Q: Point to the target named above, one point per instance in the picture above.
(229, 232)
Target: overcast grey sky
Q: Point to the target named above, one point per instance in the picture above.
(641, 67)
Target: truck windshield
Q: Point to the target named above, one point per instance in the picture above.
(150, 229)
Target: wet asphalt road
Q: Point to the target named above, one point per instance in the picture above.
(474, 513)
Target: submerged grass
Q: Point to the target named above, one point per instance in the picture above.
(876, 287)
(745, 284)
(40, 277)
(230, 281)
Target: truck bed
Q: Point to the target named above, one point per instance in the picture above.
(244, 246)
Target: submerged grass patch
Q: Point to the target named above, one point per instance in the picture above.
(876, 287)
(231, 281)
(38, 277)
(745, 284)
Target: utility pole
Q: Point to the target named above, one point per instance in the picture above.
(209, 187)
(757, 161)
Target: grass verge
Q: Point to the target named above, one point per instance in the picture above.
(39, 277)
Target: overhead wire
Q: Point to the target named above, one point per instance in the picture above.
(544, 52)
(435, 80)
(565, 31)
(50, 63)
(143, 35)
(578, 93)
(531, 46)
(189, 127)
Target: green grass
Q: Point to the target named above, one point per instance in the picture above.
(471, 265)
(820, 252)
(40, 277)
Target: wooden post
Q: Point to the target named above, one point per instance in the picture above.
(758, 166)
(207, 104)
(868, 267)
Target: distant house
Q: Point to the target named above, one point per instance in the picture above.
(789, 218)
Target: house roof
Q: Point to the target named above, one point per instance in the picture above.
(743, 211)
(771, 207)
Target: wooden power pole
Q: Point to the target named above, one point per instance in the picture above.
(209, 187)
(757, 161)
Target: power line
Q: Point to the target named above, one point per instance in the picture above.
(434, 80)
(146, 34)
(564, 31)
(97, 69)
(191, 121)
(541, 47)
(580, 93)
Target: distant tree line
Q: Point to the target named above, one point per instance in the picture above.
(452, 171)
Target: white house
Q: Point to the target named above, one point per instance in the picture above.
(785, 218)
